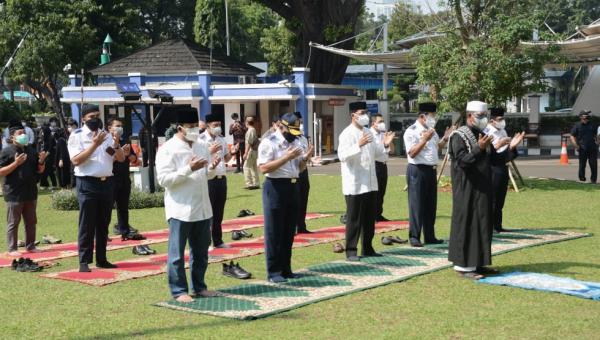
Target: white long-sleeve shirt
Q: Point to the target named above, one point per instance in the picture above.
(186, 191)
(358, 163)
(497, 135)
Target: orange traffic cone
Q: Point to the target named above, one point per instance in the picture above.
(564, 158)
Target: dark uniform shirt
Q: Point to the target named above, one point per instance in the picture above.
(21, 184)
(121, 169)
(585, 134)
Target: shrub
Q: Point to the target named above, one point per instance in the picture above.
(67, 200)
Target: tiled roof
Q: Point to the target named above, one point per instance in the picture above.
(175, 56)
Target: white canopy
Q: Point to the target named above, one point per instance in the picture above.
(577, 51)
(400, 59)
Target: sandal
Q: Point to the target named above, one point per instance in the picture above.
(49, 239)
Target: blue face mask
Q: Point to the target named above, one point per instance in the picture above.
(22, 139)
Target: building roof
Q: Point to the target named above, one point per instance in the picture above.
(175, 56)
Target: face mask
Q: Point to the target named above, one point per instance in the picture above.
(216, 130)
(363, 120)
(480, 123)
(430, 122)
(70, 129)
(302, 128)
(289, 137)
(22, 139)
(118, 130)
(381, 127)
(93, 124)
(500, 125)
(24, 124)
(191, 134)
(53, 124)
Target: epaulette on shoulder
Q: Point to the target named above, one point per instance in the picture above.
(412, 127)
(77, 130)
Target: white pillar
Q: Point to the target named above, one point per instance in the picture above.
(341, 119)
(264, 116)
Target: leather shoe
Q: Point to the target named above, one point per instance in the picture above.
(381, 219)
(372, 254)
(386, 241)
(148, 250)
(235, 271)
(277, 279)
(290, 275)
(132, 236)
(435, 241)
(353, 258)
(139, 250)
(84, 268)
(415, 243)
(105, 265)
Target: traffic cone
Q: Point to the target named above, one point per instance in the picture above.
(564, 158)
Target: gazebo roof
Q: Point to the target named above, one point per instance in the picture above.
(175, 56)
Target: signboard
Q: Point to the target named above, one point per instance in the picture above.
(373, 108)
(337, 101)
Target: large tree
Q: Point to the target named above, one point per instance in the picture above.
(320, 21)
(480, 57)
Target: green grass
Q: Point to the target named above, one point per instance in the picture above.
(437, 305)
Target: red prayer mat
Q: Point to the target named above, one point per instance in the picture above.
(157, 264)
(60, 251)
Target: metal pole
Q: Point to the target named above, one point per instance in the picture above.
(386, 109)
(81, 105)
(227, 27)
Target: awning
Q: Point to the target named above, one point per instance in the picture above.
(577, 51)
(399, 59)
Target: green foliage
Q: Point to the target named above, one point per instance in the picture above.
(209, 24)
(482, 59)
(279, 52)
(67, 200)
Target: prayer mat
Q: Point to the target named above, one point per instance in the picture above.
(548, 283)
(257, 298)
(63, 250)
(157, 264)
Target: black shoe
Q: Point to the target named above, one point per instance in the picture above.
(487, 271)
(148, 250)
(381, 219)
(277, 279)
(502, 230)
(242, 213)
(352, 258)
(236, 235)
(290, 275)
(27, 265)
(235, 271)
(84, 268)
(139, 250)
(372, 254)
(582, 179)
(132, 236)
(304, 231)
(343, 219)
(105, 265)
(415, 243)
(386, 241)
(434, 241)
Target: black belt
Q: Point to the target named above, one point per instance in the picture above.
(424, 166)
(218, 177)
(99, 179)
(283, 180)
(380, 162)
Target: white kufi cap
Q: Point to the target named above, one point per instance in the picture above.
(476, 106)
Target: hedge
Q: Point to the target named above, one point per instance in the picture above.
(67, 200)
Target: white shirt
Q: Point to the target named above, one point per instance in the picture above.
(358, 163)
(274, 147)
(379, 140)
(30, 134)
(205, 137)
(186, 191)
(100, 163)
(497, 134)
(429, 153)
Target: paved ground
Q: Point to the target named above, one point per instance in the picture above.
(527, 166)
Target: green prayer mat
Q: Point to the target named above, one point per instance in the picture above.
(257, 298)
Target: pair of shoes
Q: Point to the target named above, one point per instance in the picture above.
(245, 212)
(389, 240)
(434, 241)
(343, 219)
(21, 243)
(471, 275)
(338, 248)
(131, 230)
(381, 219)
(304, 231)
(84, 268)
(105, 265)
(487, 271)
(235, 271)
(25, 265)
(49, 239)
(371, 253)
(142, 250)
(277, 279)
(239, 234)
(352, 258)
(415, 243)
(132, 236)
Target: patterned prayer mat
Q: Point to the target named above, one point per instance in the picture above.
(63, 250)
(157, 264)
(257, 299)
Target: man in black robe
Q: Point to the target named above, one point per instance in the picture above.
(471, 229)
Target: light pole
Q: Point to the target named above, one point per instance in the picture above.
(227, 27)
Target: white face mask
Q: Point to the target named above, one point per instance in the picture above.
(500, 125)
(192, 134)
(302, 128)
(381, 127)
(480, 123)
(118, 130)
(430, 122)
(363, 120)
(216, 131)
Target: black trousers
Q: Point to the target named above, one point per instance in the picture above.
(499, 188)
(95, 206)
(422, 201)
(64, 176)
(48, 173)
(122, 194)
(303, 189)
(217, 192)
(238, 156)
(381, 171)
(280, 208)
(588, 155)
(360, 220)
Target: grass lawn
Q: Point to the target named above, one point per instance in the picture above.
(437, 305)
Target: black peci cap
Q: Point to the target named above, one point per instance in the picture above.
(496, 112)
(357, 106)
(427, 107)
(187, 116)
